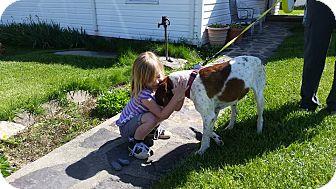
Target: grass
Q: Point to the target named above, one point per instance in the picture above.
(32, 77)
(296, 148)
(294, 12)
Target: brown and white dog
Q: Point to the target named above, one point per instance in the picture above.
(218, 86)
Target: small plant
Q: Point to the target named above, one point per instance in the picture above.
(237, 25)
(218, 25)
(111, 103)
(4, 166)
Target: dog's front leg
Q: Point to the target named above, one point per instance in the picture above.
(208, 124)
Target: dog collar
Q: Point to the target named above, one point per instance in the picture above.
(192, 77)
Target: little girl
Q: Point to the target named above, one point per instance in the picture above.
(142, 114)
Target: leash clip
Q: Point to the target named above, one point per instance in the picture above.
(197, 66)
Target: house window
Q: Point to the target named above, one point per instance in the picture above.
(142, 1)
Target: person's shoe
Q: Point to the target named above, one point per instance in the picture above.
(308, 108)
(140, 151)
(149, 141)
(309, 105)
(160, 133)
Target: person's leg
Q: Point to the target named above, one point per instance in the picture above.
(317, 38)
(129, 128)
(148, 123)
(138, 129)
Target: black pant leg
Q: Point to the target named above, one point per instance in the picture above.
(317, 39)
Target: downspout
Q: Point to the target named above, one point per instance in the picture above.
(193, 24)
(94, 16)
(199, 15)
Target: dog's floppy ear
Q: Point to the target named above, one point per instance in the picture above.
(164, 92)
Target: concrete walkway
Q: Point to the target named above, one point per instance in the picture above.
(263, 44)
(85, 162)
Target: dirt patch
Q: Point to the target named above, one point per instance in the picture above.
(58, 125)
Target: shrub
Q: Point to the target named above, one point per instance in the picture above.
(218, 25)
(111, 103)
(41, 34)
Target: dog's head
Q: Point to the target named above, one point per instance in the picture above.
(164, 92)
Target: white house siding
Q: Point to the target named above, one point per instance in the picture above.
(140, 21)
(215, 11)
(115, 18)
(74, 13)
(257, 5)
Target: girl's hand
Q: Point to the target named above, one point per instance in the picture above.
(180, 89)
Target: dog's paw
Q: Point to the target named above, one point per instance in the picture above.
(220, 143)
(218, 140)
(229, 127)
(199, 152)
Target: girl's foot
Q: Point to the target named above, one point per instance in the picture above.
(140, 150)
(160, 133)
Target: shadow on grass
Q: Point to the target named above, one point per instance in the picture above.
(47, 57)
(243, 143)
(126, 51)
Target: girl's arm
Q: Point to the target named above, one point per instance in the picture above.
(179, 105)
(175, 103)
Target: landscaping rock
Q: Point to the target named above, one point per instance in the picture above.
(78, 97)
(25, 118)
(116, 166)
(8, 129)
(52, 107)
(176, 63)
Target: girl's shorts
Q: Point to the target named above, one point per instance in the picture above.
(128, 129)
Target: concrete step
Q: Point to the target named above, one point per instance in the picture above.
(284, 18)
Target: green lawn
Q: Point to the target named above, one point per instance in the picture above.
(29, 78)
(295, 150)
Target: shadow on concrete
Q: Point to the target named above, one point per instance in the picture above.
(140, 173)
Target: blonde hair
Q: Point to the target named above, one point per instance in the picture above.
(144, 71)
